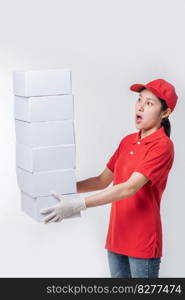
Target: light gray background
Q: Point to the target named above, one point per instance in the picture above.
(108, 45)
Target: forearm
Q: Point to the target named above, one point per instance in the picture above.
(89, 185)
(114, 193)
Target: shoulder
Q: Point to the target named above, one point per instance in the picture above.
(165, 142)
(162, 146)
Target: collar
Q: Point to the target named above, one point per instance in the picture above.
(159, 133)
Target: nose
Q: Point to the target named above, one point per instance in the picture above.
(140, 106)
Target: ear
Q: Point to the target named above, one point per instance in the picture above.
(167, 113)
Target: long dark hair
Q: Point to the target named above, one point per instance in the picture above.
(165, 121)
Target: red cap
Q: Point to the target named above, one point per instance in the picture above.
(160, 88)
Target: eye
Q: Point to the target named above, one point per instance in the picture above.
(150, 102)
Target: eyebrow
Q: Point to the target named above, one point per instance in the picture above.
(149, 98)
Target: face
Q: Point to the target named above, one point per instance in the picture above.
(148, 113)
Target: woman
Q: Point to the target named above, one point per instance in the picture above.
(139, 169)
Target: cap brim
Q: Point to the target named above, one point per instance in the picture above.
(137, 87)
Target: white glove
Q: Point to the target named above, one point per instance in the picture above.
(65, 208)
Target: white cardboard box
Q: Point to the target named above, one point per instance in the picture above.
(33, 205)
(40, 184)
(44, 108)
(43, 134)
(42, 82)
(37, 159)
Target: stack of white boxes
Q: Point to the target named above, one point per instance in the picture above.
(45, 138)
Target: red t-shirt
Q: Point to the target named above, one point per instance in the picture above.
(135, 227)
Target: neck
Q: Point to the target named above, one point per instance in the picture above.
(146, 132)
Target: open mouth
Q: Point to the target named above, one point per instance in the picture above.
(138, 118)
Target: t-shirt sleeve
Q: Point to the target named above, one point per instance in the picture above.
(112, 160)
(157, 163)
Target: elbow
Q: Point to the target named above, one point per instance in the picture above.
(128, 190)
(102, 183)
(131, 191)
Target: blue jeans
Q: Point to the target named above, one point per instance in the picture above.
(123, 266)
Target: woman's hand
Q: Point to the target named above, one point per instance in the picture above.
(67, 207)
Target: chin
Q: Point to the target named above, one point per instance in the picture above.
(145, 126)
(138, 126)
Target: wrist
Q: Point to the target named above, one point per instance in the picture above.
(79, 204)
